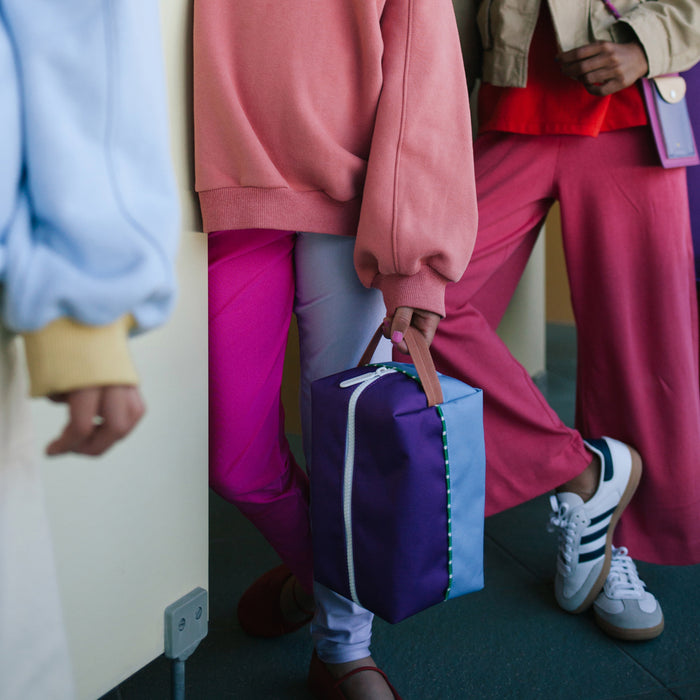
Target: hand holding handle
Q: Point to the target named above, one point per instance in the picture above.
(423, 361)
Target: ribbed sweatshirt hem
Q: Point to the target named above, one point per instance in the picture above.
(230, 208)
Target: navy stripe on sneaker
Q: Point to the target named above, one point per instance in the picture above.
(589, 556)
(602, 447)
(587, 539)
(602, 516)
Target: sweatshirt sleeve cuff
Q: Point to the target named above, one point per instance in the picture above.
(65, 355)
(424, 290)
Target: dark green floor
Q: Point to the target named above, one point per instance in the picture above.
(508, 641)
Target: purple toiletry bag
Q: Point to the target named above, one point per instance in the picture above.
(397, 485)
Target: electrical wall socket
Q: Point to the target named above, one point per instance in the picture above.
(186, 623)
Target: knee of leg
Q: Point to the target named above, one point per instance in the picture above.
(251, 490)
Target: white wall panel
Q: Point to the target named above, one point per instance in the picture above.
(130, 529)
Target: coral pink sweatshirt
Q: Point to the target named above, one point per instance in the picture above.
(345, 117)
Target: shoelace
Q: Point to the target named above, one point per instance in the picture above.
(559, 520)
(623, 580)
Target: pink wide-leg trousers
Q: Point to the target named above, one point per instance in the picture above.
(630, 265)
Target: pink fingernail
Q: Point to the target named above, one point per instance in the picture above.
(396, 337)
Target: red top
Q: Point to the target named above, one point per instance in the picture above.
(551, 103)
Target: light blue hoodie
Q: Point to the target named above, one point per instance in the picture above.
(89, 213)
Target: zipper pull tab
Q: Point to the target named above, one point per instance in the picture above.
(368, 377)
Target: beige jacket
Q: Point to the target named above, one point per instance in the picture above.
(668, 30)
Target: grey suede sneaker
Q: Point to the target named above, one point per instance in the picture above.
(624, 609)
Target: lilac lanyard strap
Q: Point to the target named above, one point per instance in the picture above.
(612, 9)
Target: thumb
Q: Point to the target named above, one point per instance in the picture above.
(399, 325)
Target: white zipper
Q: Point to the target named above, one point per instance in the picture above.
(378, 372)
(363, 380)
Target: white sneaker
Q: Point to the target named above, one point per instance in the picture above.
(586, 528)
(623, 608)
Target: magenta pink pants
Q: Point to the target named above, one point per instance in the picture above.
(257, 278)
(630, 265)
(251, 293)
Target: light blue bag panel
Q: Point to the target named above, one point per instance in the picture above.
(462, 413)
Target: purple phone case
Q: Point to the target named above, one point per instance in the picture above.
(670, 124)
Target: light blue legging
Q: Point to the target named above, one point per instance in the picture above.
(336, 315)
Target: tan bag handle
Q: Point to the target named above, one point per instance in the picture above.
(420, 354)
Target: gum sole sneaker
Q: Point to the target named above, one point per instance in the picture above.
(586, 528)
(623, 609)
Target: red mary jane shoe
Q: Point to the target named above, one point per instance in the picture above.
(259, 611)
(325, 687)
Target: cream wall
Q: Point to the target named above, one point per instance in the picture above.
(558, 294)
(130, 529)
